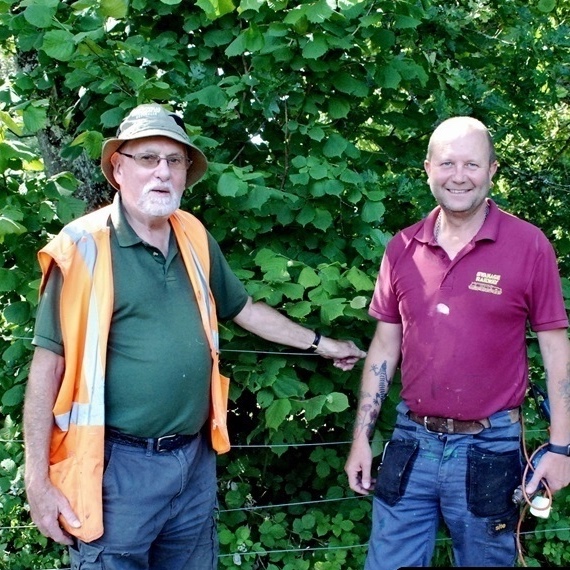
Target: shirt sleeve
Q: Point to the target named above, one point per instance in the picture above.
(47, 329)
(384, 305)
(229, 292)
(546, 301)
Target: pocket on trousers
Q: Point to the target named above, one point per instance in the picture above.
(394, 471)
(491, 479)
(109, 452)
(85, 556)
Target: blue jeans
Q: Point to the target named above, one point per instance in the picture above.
(158, 511)
(466, 480)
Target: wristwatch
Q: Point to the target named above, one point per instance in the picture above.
(560, 449)
(315, 343)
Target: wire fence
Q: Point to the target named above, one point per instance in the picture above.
(266, 552)
(251, 508)
(305, 550)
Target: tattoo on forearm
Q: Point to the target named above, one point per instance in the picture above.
(369, 407)
(383, 382)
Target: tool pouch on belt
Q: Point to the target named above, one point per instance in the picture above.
(393, 473)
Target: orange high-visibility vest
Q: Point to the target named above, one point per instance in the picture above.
(82, 251)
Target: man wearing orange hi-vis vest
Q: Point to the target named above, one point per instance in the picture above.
(125, 405)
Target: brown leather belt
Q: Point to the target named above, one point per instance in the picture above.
(436, 424)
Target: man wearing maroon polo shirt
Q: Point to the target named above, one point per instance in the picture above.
(454, 296)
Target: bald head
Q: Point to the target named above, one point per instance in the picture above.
(457, 127)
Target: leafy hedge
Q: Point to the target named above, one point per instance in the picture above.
(315, 118)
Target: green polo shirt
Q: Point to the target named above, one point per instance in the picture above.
(158, 359)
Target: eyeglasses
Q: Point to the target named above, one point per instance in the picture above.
(152, 160)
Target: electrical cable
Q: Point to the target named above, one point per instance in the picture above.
(527, 500)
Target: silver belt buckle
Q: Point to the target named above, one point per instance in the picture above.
(159, 441)
(426, 426)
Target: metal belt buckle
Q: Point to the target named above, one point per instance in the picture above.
(427, 428)
(164, 438)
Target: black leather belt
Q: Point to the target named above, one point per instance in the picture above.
(436, 424)
(158, 444)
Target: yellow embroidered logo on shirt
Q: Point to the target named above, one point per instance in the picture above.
(486, 283)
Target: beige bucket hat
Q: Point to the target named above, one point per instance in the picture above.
(150, 120)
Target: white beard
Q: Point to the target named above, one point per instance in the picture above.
(159, 204)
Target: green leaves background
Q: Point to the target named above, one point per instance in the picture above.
(315, 118)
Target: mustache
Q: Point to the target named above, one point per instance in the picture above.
(165, 186)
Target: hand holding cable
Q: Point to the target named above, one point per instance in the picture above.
(554, 469)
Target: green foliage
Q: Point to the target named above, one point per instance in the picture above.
(21, 545)
(33, 206)
(314, 116)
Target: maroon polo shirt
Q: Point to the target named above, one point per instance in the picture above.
(465, 320)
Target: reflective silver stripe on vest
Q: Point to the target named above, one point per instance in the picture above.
(85, 245)
(206, 296)
(93, 412)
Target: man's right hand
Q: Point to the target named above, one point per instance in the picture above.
(358, 467)
(47, 505)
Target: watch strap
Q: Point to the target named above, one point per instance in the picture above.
(560, 449)
(315, 343)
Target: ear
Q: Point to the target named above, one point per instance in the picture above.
(114, 159)
(427, 166)
(116, 162)
(493, 169)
